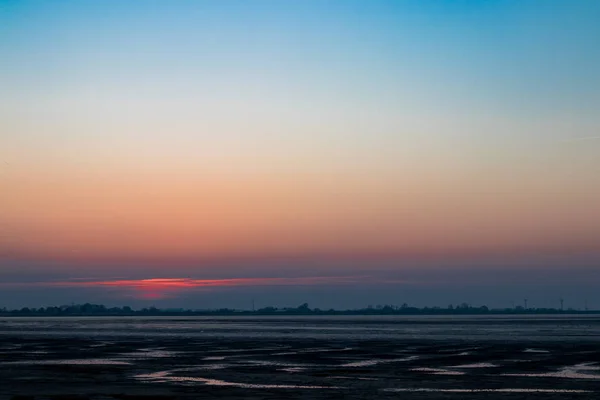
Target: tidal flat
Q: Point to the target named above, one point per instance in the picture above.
(300, 358)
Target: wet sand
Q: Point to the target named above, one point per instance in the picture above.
(40, 366)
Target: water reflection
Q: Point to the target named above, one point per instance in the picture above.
(579, 371)
(437, 371)
(371, 362)
(505, 390)
(83, 361)
(475, 365)
(165, 376)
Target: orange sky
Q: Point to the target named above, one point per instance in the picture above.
(426, 211)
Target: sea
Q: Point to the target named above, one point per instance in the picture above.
(561, 327)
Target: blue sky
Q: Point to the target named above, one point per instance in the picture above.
(512, 55)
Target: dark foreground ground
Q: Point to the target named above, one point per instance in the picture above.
(37, 365)
(181, 369)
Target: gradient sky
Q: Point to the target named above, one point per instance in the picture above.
(345, 152)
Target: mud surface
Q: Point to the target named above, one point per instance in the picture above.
(39, 365)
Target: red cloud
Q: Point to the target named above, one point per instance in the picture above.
(182, 283)
(157, 288)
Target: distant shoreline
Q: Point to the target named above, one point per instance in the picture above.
(241, 315)
(94, 310)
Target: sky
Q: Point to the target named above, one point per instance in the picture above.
(342, 153)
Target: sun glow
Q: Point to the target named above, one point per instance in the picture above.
(159, 288)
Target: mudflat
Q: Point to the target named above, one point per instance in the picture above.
(297, 359)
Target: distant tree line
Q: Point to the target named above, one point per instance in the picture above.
(88, 309)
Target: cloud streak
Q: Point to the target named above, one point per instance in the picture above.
(184, 283)
(158, 288)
